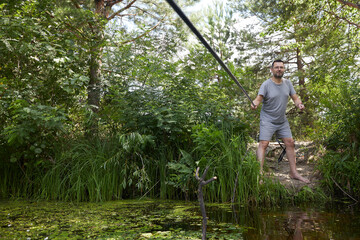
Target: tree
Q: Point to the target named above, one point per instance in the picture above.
(312, 34)
(89, 21)
(41, 80)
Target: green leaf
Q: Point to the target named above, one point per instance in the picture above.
(38, 150)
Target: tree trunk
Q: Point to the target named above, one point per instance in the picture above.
(93, 90)
(96, 50)
(300, 68)
(305, 118)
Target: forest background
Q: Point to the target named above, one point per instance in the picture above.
(107, 99)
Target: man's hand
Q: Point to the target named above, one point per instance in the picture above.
(256, 102)
(298, 102)
(301, 106)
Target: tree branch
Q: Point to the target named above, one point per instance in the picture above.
(202, 183)
(146, 32)
(71, 28)
(110, 4)
(124, 15)
(342, 18)
(204, 173)
(350, 4)
(144, 11)
(121, 10)
(343, 190)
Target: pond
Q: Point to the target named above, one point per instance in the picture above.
(156, 219)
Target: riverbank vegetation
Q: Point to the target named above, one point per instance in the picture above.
(106, 100)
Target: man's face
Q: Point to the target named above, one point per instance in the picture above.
(278, 69)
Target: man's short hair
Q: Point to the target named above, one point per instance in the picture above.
(277, 60)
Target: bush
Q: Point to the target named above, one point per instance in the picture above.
(340, 172)
(345, 117)
(33, 131)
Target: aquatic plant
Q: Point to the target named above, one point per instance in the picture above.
(307, 195)
(111, 220)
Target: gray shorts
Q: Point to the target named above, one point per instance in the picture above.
(267, 130)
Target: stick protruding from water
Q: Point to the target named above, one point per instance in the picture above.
(202, 183)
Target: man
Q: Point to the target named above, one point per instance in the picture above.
(274, 94)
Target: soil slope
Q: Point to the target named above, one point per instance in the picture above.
(305, 162)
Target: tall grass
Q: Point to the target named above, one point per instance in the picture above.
(340, 171)
(20, 180)
(134, 165)
(236, 168)
(99, 170)
(10, 174)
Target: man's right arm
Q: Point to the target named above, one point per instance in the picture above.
(257, 101)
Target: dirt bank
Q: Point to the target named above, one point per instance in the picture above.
(305, 163)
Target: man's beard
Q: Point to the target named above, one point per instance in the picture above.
(278, 75)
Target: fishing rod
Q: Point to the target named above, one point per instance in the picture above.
(203, 41)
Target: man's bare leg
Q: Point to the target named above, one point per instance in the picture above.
(290, 153)
(260, 153)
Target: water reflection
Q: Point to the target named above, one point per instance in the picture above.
(294, 226)
(310, 223)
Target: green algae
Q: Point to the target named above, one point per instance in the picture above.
(156, 219)
(129, 219)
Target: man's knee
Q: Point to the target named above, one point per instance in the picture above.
(263, 144)
(289, 142)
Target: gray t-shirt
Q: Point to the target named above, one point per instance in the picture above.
(275, 100)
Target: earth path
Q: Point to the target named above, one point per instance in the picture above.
(305, 164)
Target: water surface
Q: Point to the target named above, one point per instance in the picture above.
(333, 221)
(155, 219)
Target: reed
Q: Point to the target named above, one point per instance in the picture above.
(234, 165)
(10, 175)
(340, 173)
(136, 166)
(98, 170)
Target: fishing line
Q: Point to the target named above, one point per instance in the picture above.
(203, 41)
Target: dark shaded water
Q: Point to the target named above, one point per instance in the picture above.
(153, 219)
(308, 222)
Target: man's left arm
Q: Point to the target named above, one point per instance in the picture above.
(297, 101)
